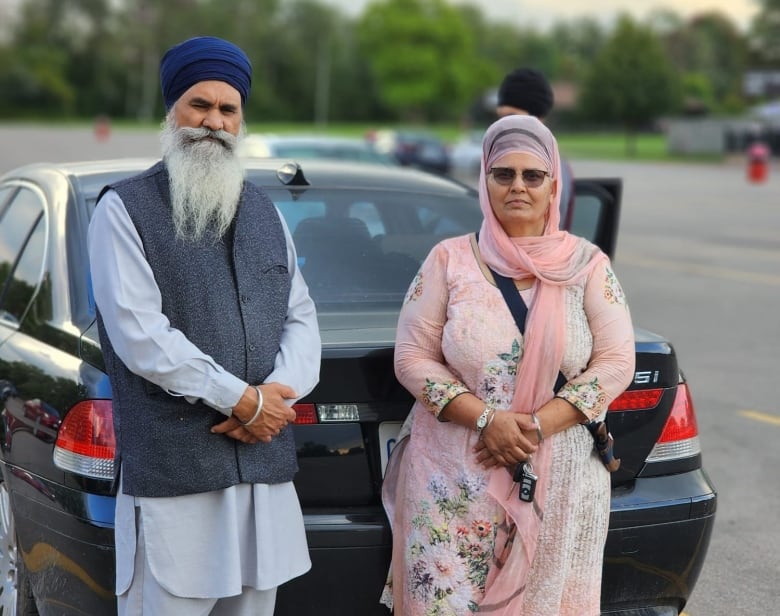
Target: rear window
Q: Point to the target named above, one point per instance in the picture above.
(359, 249)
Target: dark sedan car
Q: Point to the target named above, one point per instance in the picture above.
(414, 148)
(361, 233)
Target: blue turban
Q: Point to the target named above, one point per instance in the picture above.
(204, 58)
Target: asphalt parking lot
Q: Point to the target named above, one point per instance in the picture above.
(23, 144)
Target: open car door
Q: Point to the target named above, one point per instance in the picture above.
(595, 212)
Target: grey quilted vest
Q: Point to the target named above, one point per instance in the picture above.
(230, 299)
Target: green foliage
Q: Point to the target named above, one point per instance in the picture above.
(631, 81)
(34, 80)
(421, 55)
(710, 47)
(417, 61)
(765, 34)
(578, 42)
(697, 91)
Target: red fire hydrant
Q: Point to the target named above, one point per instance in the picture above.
(758, 162)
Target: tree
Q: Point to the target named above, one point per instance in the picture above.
(708, 47)
(765, 35)
(146, 28)
(421, 55)
(316, 65)
(579, 42)
(630, 82)
(35, 77)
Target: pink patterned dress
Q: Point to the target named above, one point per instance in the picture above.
(456, 335)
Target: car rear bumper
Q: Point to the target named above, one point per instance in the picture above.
(66, 539)
(659, 534)
(354, 548)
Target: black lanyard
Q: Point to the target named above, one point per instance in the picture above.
(516, 305)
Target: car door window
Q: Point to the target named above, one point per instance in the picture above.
(595, 212)
(22, 250)
(586, 215)
(368, 213)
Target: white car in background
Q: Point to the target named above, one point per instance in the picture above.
(301, 147)
(466, 153)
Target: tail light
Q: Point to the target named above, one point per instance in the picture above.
(85, 443)
(333, 413)
(637, 400)
(305, 414)
(680, 436)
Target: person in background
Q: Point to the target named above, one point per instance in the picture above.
(209, 337)
(526, 91)
(474, 528)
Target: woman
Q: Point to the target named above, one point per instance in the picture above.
(463, 540)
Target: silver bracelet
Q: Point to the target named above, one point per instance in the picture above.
(484, 420)
(490, 419)
(259, 408)
(539, 435)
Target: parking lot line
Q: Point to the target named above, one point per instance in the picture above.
(759, 416)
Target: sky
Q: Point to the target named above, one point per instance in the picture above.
(542, 13)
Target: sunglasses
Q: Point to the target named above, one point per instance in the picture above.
(505, 176)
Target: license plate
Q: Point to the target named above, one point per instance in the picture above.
(388, 435)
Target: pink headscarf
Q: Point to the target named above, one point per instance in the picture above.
(555, 259)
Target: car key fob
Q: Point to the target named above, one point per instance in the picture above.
(524, 475)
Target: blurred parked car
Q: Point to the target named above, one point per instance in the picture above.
(361, 232)
(304, 147)
(466, 154)
(414, 149)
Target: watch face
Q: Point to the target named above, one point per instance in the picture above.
(481, 421)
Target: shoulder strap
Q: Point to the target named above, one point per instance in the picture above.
(514, 302)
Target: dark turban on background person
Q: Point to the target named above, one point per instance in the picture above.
(527, 89)
(203, 58)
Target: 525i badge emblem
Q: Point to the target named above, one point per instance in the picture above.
(646, 376)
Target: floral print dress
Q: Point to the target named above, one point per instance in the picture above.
(457, 335)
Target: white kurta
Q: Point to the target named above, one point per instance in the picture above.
(211, 544)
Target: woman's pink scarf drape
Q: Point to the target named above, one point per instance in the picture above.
(555, 259)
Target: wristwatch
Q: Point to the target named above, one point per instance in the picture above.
(482, 420)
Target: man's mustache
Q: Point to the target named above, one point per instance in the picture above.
(194, 135)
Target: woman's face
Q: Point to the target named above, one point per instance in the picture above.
(519, 206)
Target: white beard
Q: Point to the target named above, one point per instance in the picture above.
(206, 178)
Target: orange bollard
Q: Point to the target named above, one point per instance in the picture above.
(102, 128)
(758, 162)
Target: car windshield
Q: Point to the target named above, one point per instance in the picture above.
(360, 249)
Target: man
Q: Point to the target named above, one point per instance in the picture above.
(209, 336)
(526, 91)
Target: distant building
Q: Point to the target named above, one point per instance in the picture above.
(761, 84)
